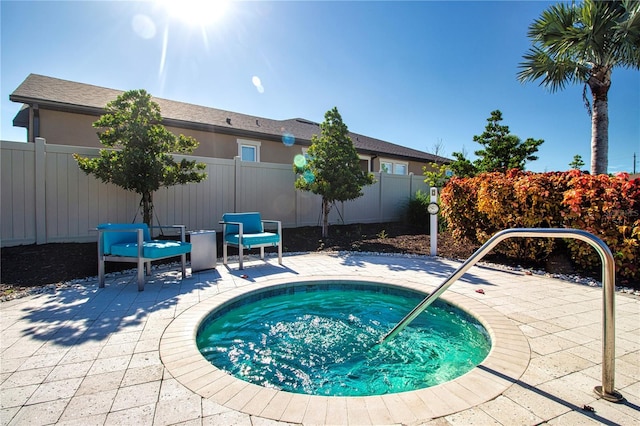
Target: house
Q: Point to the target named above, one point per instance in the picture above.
(63, 111)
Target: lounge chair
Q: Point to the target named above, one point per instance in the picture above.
(131, 242)
(246, 230)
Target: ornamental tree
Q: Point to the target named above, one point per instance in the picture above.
(502, 150)
(332, 166)
(139, 156)
(577, 162)
(462, 166)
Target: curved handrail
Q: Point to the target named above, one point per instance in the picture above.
(607, 390)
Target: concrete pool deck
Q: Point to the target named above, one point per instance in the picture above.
(83, 355)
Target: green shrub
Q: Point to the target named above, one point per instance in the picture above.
(417, 214)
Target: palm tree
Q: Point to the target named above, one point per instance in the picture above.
(582, 43)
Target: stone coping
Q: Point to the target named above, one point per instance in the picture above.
(504, 365)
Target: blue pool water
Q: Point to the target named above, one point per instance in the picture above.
(322, 340)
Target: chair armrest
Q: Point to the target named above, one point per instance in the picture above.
(117, 230)
(224, 227)
(276, 222)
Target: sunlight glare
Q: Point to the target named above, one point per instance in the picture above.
(300, 161)
(255, 80)
(143, 26)
(195, 12)
(288, 139)
(309, 177)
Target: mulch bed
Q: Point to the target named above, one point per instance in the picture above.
(38, 265)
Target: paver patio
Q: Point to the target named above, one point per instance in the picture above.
(84, 355)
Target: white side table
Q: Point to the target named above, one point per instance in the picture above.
(204, 251)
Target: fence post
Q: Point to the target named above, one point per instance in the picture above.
(41, 190)
(410, 185)
(380, 197)
(237, 182)
(296, 201)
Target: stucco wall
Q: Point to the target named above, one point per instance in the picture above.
(68, 129)
(74, 129)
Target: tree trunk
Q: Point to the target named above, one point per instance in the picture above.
(326, 208)
(599, 84)
(600, 137)
(147, 208)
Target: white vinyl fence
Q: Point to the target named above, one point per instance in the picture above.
(46, 198)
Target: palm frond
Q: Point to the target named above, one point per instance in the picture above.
(554, 71)
(585, 99)
(571, 41)
(599, 20)
(627, 35)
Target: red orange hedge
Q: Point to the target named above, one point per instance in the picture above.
(607, 206)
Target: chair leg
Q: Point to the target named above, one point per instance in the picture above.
(280, 253)
(240, 252)
(140, 275)
(261, 253)
(184, 265)
(100, 260)
(224, 253)
(101, 273)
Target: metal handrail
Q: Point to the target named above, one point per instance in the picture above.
(606, 391)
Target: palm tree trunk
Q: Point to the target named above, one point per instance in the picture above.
(600, 137)
(599, 84)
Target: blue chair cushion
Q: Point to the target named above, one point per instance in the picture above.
(154, 249)
(111, 238)
(250, 240)
(251, 222)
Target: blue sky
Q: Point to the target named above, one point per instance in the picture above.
(413, 73)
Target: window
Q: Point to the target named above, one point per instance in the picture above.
(386, 167)
(365, 163)
(248, 153)
(399, 169)
(249, 150)
(394, 167)
(365, 160)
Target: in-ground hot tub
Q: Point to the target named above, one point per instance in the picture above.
(323, 339)
(506, 362)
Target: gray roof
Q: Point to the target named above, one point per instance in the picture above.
(77, 97)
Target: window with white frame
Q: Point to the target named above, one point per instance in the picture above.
(249, 150)
(365, 160)
(394, 167)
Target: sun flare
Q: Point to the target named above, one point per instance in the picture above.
(195, 12)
